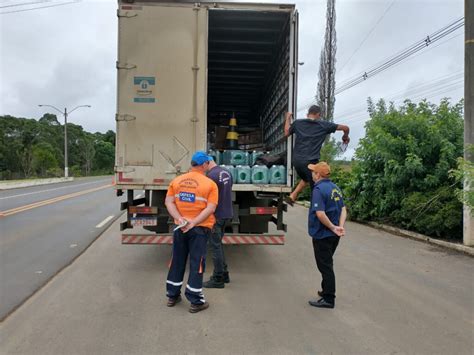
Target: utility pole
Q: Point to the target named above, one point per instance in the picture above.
(65, 114)
(327, 65)
(468, 235)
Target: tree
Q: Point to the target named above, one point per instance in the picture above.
(10, 147)
(49, 119)
(104, 156)
(43, 158)
(109, 136)
(464, 174)
(327, 65)
(402, 169)
(28, 136)
(29, 147)
(87, 153)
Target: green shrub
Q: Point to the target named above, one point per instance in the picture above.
(402, 170)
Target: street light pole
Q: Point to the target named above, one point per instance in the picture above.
(65, 114)
(66, 168)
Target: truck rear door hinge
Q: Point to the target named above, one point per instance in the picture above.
(126, 14)
(124, 117)
(125, 66)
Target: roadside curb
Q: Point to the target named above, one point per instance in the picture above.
(302, 203)
(7, 185)
(411, 235)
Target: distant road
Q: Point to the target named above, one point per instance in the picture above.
(43, 228)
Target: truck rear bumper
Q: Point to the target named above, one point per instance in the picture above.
(229, 238)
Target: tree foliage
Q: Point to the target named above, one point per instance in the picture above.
(402, 170)
(464, 174)
(35, 148)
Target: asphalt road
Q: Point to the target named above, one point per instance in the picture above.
(43, 228)
(394, 296)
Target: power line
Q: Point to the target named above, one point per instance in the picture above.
(415, 94)
(450, 81)
(396, 59)
(41, 7)
(361, 116)
(369, 33)
(25, 3)
(418, 46)
(429, 48)
(422, 41)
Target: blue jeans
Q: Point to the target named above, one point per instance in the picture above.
(218, 258)
(194, 244)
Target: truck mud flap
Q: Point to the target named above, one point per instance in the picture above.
(229, 239)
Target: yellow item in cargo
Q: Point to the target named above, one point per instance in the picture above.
(232, 135)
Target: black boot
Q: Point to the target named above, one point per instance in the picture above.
(214, 282)
(226, 277)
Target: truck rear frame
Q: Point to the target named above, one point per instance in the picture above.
(222, 55)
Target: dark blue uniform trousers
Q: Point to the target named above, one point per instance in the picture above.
(215, 241)
(194, 244)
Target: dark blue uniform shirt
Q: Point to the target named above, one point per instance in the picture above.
(310, 136)
(223, 179)
(326, 197)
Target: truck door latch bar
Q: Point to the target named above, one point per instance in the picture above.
(123, 169)
(125, 66)
(126, 14)
(125, 117)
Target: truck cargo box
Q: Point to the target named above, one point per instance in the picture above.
(185, 68)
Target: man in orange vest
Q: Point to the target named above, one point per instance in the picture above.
(191, 200)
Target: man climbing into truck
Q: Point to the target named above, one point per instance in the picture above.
(310, 133)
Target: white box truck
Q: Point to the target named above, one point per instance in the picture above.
(183, 69)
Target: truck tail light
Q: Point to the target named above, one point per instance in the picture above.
(142, 210)
(263, 210)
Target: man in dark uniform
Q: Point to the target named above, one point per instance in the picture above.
(223, 213)
(310, 135)
(326, 218)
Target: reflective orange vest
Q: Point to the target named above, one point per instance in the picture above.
(192, 192)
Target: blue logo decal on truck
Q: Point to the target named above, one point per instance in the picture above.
(144, 86)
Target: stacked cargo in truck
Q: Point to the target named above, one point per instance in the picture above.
(183, 70)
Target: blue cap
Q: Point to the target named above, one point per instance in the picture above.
(200, 158)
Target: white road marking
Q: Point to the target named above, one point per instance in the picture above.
(57, 188)
(38, 272)
(104, 222)
(73, 246)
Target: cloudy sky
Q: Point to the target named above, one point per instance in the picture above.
(65, 56)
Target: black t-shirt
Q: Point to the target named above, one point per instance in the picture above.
(310, 136)
(223, 179)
